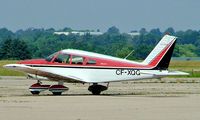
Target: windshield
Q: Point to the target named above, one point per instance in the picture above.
(50, 57)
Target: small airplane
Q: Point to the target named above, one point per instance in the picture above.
(77, 66)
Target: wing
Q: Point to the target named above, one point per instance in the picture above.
(47, 74)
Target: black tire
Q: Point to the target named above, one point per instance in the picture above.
(35, 92)
(96, 92)
(97, 89)
(57, 93)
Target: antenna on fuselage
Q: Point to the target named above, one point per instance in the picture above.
(129, 54)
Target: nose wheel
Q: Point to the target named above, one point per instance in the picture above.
(97, 89)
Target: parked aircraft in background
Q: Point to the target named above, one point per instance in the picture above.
(77, 66)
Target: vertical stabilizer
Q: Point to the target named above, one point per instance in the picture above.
(160, 56)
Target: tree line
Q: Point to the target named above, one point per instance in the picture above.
(39, 43)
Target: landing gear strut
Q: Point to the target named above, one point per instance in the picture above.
(97, 89)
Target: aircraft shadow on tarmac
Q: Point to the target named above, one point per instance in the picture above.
(112, 95)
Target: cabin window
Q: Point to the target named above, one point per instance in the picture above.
(50, 57)
(91, 62)
(62, 58)
(77, 60)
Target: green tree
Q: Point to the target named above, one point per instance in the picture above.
(143, 31)
(113, 30)
(14, 49)
(186, 50)
(170, 31)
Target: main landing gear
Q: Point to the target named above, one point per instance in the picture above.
(96, 89)
(58, 89)
(36, 88)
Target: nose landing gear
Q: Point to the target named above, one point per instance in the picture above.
(97, 89)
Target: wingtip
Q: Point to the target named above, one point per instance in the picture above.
(11, 66)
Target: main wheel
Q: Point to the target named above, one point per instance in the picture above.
(35, 92)
(57, 93)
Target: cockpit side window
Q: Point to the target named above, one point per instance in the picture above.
(62, 58)
(77, 60)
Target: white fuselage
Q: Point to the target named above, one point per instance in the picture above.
(98, 75)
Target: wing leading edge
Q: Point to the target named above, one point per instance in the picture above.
(47, 74)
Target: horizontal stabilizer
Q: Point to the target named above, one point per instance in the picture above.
(167, 73)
